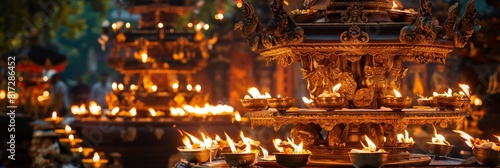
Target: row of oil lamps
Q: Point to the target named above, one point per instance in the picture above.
(292, 154)
(331, 101)
(69, 140)
(95, 111)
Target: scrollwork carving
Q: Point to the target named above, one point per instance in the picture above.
(354, 14)
(354, 36)
(422, 30)
(465, 27)
(450, 23)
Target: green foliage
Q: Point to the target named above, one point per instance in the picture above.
(22, 18)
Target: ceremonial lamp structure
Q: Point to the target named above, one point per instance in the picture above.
(362, 45)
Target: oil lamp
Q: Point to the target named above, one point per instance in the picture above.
(156, 115)
(309, 102)
(239, 158)
(291, 157)
(405, 141)
(95, 110)
(84, 152)
(95, 162)
(396, 103)
(71, 141)
(54, 119)
(66, 131)
(397, 15)
(330, 101)
(195, 150)
(112, 114)
(281, 103)
(439, 146)
(369, 156)
(486, 152)
(450, 100)
(78, 111)
(256, 101)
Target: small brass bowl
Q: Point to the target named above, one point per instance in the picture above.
(194, 155)
(281, 104)
(239, 159)
(439, 150)
(254, 104)
(450, 103)
(395, 149)
(292, 160)
(407, 145)
(305, 17)
(425, 102)
(329, 103)
(365, 160)
(487, 156)
(110, 117)
(400, 16)
(396, 103)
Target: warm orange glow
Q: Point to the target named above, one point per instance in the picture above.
(133, 112)
(114, 86)
(94, 108)
(2, 94)
(80, 149)
(144, 57)
(237, 116)
(279, 96)
(230, 143)
(115, 111)
(478, 101)
(187, 142)
(133, 87)
(438, 138)
(396, 93)
(189, 87)
(96, 157)
(296, 148)
(74, 109)
(371, 146)
(195, 140)
(465, 88)
(394, 5)
(160, 25)
(306, 100)
(277, 143)
(120, 86)
(219, 16)
(265, 153)
(498, 137)
(217, 137)
(468, 139)
(336, 88)
(207, 141)
(54, 115)
(154, 88)
(255, 93)
(175, 86)
(405, 138)
(239, 4)
(152, 112)
(247, 141)
(449, 93)
(197, 88)
(71, 137)
(67, 128)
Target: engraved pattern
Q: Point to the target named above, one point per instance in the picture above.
(354, 14)
(354, 36)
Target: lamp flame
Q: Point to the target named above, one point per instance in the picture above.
(96, 157)
(296, 148)
(197, 88)
(396, 93)
(405, 138)
(336, 87)
(467, 137)
(144, 57)
(277, 143)
(265, 153)
(371, 146)
(394, 5)
(175, 86)
(206, 140)
(152, 111)
(54, 115)
(449, 93)
(115, 111)
(80, 149)
(114, 86)
(67, 128)
(71, 137)
(438, 138)
(237, 116)
(189, 87)
(186, 142)
(230, 143)
(217, 137)
(94, 108)
(306, 100)
(120, 86)
(478, 101)
(465, 88)
(133, 112)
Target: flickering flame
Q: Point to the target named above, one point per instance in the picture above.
(54, 115)
(114, 86)
(217, 137)
(115, 111)
(435, 94)
(152, 111)
(154, 88)
(296, 148)
(405, 138)
(144, 57)
(277, 143)
(336, 87)
(465, 88)
(279, 96)
(186, 142)
(67, 128)
(219, 16)
(478, 102)
(80, 149)
(82, 108)
(177, 111)
(120, 86)
(96, 157)
(206, 140)
(175, 86)
(438, 138)
(74, 109)
(127, 25)
(46, 93)
(160, 25)
(230, 143)
(94, 108)
(396, 93)
(254, 92)
(394, 5)
(133, 87)
(196, 140)
(306, 100)
(133, 112)
(2, 94)
(265, 153)
(247, 141)
(468, 139)
(71, 137)
(197, 88)
(189, 87)
(498, 137)
(449, 93)
(237, 116)
(371, 146)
